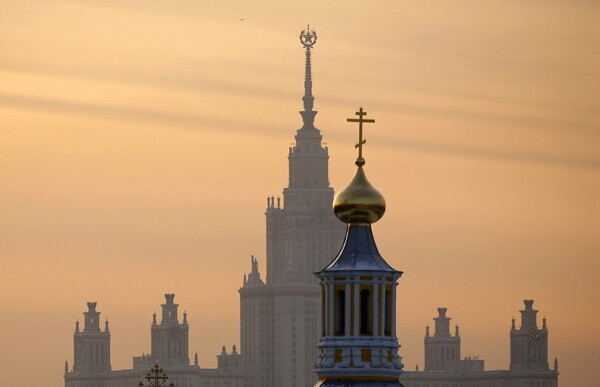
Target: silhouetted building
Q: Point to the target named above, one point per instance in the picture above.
(170, 338)
(528, 358)
(169, 349)
(528, 344)
(91, 347)
(441, 349)
(279, 318)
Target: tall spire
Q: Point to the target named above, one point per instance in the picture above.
(308, 39)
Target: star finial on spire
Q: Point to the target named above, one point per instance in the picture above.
(360, 113)
(308, 38)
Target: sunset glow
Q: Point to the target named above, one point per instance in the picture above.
(139, 140)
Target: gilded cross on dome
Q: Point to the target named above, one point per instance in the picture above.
(360, 113)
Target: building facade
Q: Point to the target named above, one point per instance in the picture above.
(169, 348)
(91, 347)
(441, 349)
(528, 358)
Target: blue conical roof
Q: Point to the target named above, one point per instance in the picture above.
(359, 252)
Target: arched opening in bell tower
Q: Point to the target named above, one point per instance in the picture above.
(387, 328)
(366, 312)
(339, 321)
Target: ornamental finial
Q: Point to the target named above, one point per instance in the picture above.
(156, 378)
(308, 38)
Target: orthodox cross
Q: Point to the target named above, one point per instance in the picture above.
(156, 378)
(360, 113)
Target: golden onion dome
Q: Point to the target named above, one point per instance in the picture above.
(359, 202)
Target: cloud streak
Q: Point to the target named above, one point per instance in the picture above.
(194, 85)
(194, 122)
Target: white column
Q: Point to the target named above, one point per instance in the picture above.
(394, 310)
(383, 316)
(348, 309)
(330, 309)
(356, 303)
(375, 309)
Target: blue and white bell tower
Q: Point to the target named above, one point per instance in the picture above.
(359, 346)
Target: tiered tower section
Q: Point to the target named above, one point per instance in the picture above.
(169, 339)
(359, 346)
(442, 351)
(528, 344)
(91, 346)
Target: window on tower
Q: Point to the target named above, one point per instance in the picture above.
(387, 329)
(366, 312)
(340, 313)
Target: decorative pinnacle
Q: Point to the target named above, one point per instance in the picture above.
(360, 113)
(156, 378)
(308, 38)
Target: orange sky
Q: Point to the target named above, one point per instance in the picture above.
(139, 139)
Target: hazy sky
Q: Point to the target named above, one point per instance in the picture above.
(139, 139)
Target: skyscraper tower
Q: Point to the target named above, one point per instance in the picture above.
(280, 317)
(91, 346)
(442, 351)
(528, 344)
(303, 234)
(359, 346)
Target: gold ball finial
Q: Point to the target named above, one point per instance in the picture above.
(359, 202)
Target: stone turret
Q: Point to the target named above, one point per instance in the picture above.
(169, 339)
(92, 345)
(528, 344)
(442, 350)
